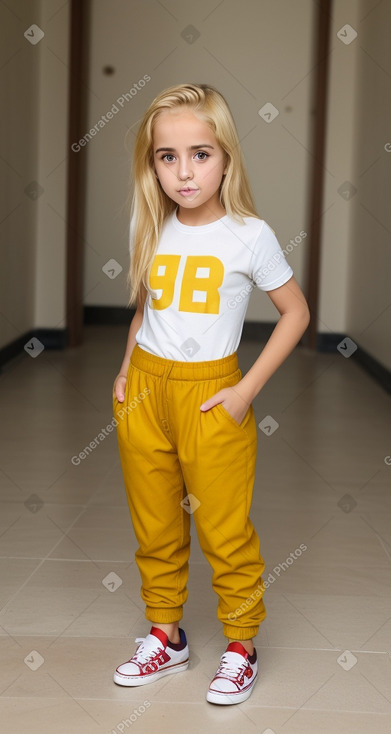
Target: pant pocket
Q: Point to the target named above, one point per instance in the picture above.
(228, 417)
(231, 381)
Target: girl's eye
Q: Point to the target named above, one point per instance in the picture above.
(170, 155)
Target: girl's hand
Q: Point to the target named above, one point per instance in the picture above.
(119, 388)
(231, 401)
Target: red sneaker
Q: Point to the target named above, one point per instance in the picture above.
(153, 659)
(235, 676)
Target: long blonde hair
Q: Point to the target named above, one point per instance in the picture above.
(150, 204)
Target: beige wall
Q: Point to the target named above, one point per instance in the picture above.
(33, 92)
(19, 90)
(50, 293)
(263, 55)
(369, 282)
(355, 285)
(339, 162)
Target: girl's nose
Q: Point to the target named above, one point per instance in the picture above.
(184, 170)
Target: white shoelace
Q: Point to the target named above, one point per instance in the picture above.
(147, 650)
(230, 669)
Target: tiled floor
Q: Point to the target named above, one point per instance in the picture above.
(322, 481)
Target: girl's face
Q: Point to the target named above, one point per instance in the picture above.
(189, 162)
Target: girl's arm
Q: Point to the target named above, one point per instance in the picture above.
(120, 380)
(295, 316)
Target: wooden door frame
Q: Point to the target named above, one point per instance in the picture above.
(76, 181)
(316, 178)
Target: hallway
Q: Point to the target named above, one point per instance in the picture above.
(70, 602)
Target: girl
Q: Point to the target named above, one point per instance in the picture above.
(185, 422)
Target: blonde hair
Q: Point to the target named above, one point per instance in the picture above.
(150, 204)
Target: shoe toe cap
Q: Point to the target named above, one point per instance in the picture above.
(223, 685)
(128, 669)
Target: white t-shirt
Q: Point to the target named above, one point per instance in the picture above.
(200, 283)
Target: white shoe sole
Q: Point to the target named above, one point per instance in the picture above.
(227, 699)
(138, 680)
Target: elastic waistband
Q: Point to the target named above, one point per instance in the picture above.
(176, 370)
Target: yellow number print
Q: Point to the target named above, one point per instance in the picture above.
(202, 277)
(199, 291)
(162, 276)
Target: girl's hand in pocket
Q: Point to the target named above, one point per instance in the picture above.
(231, 400)
(119, 388)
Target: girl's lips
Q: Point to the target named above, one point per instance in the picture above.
(188, 192)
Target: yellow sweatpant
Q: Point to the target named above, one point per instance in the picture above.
(177, 462)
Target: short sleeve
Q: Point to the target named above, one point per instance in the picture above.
(269, 269)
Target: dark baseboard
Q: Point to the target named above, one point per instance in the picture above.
(252, 331)
(108, 314)
(50, 338)
(328, 342)
(374, 368)
(257, 330)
